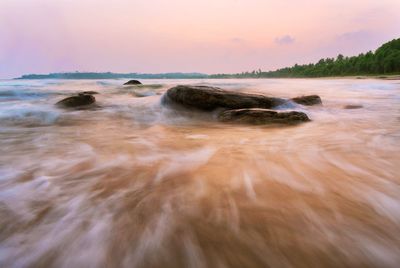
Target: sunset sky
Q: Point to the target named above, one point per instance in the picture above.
(210, 36)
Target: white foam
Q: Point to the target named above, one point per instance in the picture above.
(384, 204)
(249, 184)
(183, 162)
(28, 113)
(197, 137)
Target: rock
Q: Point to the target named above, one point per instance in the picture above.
(89, 92)
(133, 82)
(77, 101)
(308, 100)
(262, 116)
(210, 98)
(352, 106)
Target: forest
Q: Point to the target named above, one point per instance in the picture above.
(384, 61)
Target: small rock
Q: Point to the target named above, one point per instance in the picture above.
(77, 101)
(308, 100)
(133, 82)
(262, 116)
(352, 106)
(89, 92)
(211, 98)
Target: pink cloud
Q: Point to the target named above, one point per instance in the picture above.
(284, 40)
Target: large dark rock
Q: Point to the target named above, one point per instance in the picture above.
(133, 82)
(76, 101)
(210, 98)
(308, 100)
(262, 116)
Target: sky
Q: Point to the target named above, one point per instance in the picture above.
(209, 36)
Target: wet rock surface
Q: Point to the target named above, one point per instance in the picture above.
(90, 92)
(352, 106)
(257, 116)
(308, 100)
(133, 82)
(80, 100)
(211, 98)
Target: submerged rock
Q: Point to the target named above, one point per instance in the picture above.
(211, 98)
(142, 94)
(262, 116)
(90, 92)
(352, 106)
(133, 82)
(77, 101)
(144, 90)
(308, 100)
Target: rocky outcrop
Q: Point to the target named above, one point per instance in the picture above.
(257, 116)
(77, 101)
(211, 98)
(308, 100)
(133, 82)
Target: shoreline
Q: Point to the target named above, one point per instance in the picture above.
(376, 76)
(359, 77)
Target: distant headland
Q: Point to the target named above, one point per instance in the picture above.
(109, 75)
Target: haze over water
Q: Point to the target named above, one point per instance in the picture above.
(135, 184)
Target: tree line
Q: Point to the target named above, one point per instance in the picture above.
(385, 60)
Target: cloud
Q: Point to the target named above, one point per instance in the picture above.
(356, 36)
(237, 40)
(284, 40)
(359, 41)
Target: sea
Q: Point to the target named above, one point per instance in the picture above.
(131, 182)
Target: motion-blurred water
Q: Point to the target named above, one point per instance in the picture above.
(135, 184)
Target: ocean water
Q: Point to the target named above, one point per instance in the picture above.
(134, 184)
